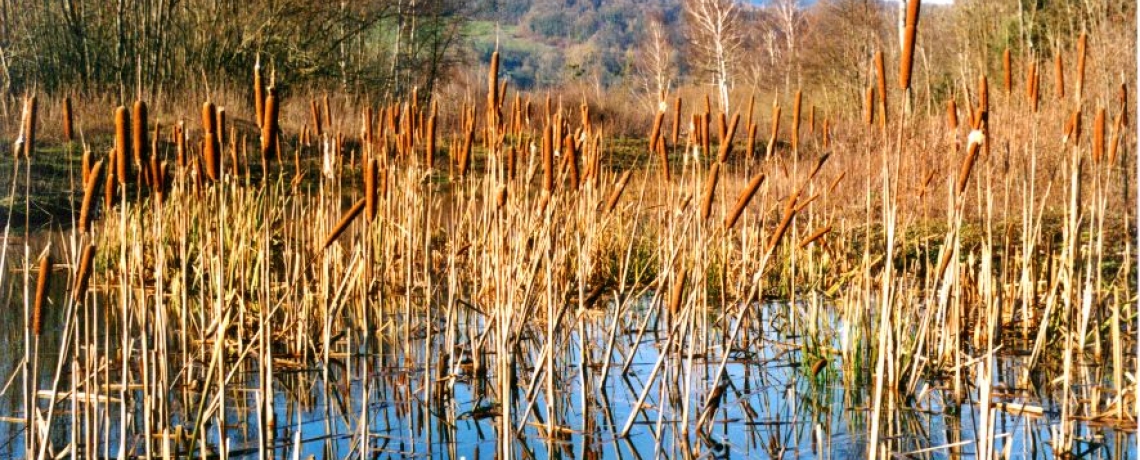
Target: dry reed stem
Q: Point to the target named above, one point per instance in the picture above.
(122, 145)
(68, 130)
(743, 200)
(89, 187)
(710, 191)
(42, 280)
(345, 221)
(83, 273)
(907, 59)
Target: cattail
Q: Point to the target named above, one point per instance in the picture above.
(548, 159)
(676, 120)
(269, 129)
(258, 93)
(710, 191)
(721, 124)
(1118, 127)
(815, 236)
(869, 106)
(430, 150)
(952, 115)
(706, 138)
(369, 189)
(89, 186)
(85, 162)
(468, 142)
(180, 144)
(655, 132)
(750, 148)
(318, 126)
(109, 183)
(139, 143)
(785, 221)
(726, 142)
(122, 145)
(775, 124)
(1098, 136)
(221, 125)
(1124, 103)
(1081, 53)
(612, 201)
(68, 133)
(742, 200)
(1007, 67)
(30, 127)
(881, 71)
(41, 292)
(983, 93)
(818, 367)
(975, 143)
(835, 183)
(1060, 71)
(907, 58)
(796, 121)
(1073, 127)
(677, 295)
(83, 273)
(826, 132)
(570, 153)
(344, 223)
(493, 86)
(818, 165)
(209, 117)
(1032, 83)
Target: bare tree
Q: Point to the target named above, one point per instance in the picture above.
(655, 62)
(789, 19)
(714, 31)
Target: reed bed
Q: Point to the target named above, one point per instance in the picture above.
(680, 304)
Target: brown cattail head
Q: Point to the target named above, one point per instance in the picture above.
(976, 139)
(1073, 128)
(493, 84)
(775, 122)
(1032, 86)
(710, 191)
(369, 189)
(68, 132)
(30, 111)
(1124, 103)
(89, 186)
(726, 141)
(139, 142)
(1098, 136)
(429, 153)
(343, 224)
(1118, 127)
(655, 132)
(269, 129)
(318, 125)
(258, 93)
(952, 115)
(796, 110)
(750, 147)
(211, 156)
(676, 121)
(826, 133)
(983, 93)
(122, 145)
(881, 72)
(612, 201)
(910, 35)
(209, 117)
(1082, 48)
(742, 200)
(83, 273)
(41, 292)
(109, 184)
(548, 158)
(815, 236)
(1007, 68)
